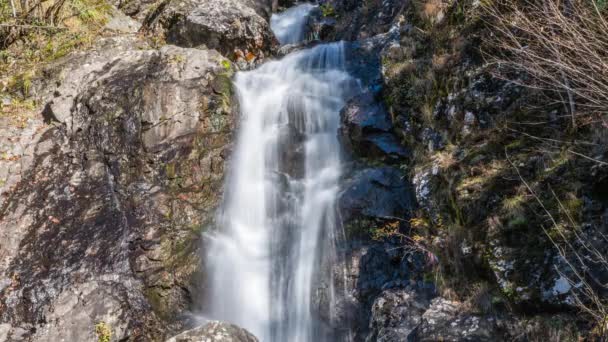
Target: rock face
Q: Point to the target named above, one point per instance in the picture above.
(444, 321)
(104, 202)
(376, 193)
(229, 26)
(122, 183)
(475, 216)
(217, 332)
(366, 129)
(358, 20)
(396, 315)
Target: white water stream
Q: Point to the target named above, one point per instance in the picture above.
(278, 222)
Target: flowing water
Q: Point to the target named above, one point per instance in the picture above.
(278, 222)
(290, 26)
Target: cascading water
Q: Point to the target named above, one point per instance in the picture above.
(278, 221)
(289, 26)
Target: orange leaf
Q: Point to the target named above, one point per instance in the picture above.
(249, 57)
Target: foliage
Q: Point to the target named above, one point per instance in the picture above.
(327, 10)
(103, 331)
(226, 65)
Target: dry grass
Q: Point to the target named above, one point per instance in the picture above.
(561, 45)
(34, 33)
(432, 11)
(579, 252)
(445, 159)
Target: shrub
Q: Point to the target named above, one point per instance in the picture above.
(561, 46)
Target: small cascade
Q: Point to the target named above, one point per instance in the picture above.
(289, 26)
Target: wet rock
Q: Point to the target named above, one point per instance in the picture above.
(217, 332)
(230, 26)
(358, 20)
(379, 291)
(321, 27)
(366, 130)
(363, 114)
(376, 193)
(385, 145)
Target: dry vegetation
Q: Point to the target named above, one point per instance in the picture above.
(554, 133)
(562, 46)
(35, 32)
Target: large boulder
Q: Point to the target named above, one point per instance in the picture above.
(103, 227)
(217, 332)
(230, 26)
(139, 9)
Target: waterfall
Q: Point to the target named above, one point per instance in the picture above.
(277, 224)
(290, 26)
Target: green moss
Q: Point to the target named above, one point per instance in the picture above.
(573, 207)
(177, 59)
(515, 144)
(170, 170)
(359, 229)
(226, 65)
(222, 84)
(560, 160)
(156, 301)
(519, 221)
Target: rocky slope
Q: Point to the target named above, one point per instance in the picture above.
(498, 199)
(105, 193)
(104, 201)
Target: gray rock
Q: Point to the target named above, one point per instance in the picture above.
(121, 23)
(104, 223)
(363, 114)
(376, 193)
(447, 321)
(366, 130)
(359, 20)
(217, 332)
(229, 26)
(395, 315)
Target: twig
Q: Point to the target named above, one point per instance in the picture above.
(13, 8)
(34, 26)
(576, 142)
(587, 157)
